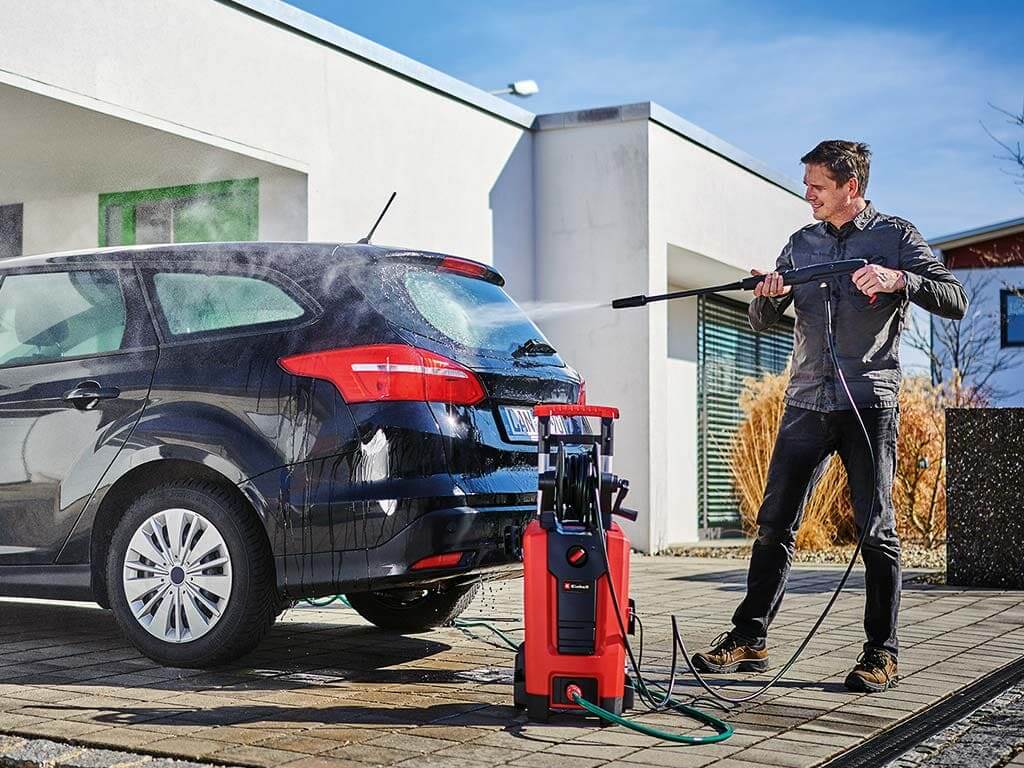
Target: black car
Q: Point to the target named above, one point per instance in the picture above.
(196, 435)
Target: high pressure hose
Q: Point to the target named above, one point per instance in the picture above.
(582, 484)
(853, 560)
(640, 686)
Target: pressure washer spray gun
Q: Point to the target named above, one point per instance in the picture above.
(789, 277)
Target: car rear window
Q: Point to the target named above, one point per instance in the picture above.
(196, 303)
(449, 307)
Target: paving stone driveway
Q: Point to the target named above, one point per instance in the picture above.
(326, 689)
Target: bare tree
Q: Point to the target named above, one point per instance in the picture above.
(964, 354)
(1013, 150)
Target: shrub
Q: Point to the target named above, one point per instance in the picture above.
(918, 491)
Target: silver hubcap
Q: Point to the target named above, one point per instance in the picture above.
(177, 575)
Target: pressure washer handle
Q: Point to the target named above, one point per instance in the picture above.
(807, 274)
(572, 409)
(617, 508)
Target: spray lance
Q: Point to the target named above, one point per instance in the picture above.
(789, 277)
(816, 272)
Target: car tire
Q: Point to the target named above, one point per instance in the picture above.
(204, 600)
(412, 610)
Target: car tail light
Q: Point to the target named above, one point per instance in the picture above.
(389, 372)
(582, 397)
(447, 560)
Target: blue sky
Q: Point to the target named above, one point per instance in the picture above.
(913, 79)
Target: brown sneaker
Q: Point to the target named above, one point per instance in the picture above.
(875, 672)
(729, 654)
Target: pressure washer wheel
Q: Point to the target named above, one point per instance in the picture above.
(628, 698)
(519, 680)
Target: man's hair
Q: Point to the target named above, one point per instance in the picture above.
(843, 160)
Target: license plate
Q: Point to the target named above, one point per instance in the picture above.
(521, 424)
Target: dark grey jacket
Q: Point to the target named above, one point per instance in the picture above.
(867, 335)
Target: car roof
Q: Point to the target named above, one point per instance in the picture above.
(300, 260)
(261, 250)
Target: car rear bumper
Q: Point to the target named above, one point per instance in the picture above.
(490, 538)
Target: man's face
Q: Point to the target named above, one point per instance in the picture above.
(827, 198)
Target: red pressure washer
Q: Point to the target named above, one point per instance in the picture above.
(574, 647)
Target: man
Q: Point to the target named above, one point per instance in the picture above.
(869, 308)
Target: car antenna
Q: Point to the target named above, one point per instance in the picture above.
(366, 240)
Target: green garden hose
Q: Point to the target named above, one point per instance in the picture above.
(724, 729)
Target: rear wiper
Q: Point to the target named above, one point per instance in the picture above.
(534, 347)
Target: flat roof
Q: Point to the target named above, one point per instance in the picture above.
(968, 236)
(649, 110)
(313, 27)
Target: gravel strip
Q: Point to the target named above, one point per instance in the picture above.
(990, 736)
(18, 752)
(913, 556)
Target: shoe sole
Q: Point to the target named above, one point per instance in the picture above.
(750, 665)
(860, 685)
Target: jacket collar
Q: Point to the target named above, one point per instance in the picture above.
(859, 222)
(862, 219)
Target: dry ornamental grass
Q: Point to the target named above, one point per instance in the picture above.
(919, 493)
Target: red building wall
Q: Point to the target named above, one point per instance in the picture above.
(1005, 251)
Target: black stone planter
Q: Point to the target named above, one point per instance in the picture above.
(985, 497)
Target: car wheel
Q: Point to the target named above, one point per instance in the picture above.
(414, 610)
(190, 576)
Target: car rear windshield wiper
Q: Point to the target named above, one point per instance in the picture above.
(534, 347)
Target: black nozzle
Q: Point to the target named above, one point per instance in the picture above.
(629, 301)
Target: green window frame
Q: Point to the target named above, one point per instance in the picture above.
(236, 200)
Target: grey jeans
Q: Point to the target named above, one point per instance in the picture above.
(806, 438)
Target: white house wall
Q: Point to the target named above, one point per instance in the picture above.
(591, 241)
(605, 203)
(208, 69)
(710, 222)
(59, 223)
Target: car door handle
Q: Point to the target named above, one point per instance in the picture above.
(88, 393)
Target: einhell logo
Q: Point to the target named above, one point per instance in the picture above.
(577, 586)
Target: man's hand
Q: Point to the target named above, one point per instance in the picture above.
(874, 279)
(771, 286)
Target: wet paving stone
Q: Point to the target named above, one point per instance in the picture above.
(326, 690)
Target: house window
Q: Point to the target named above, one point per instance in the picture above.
(10, 230)
(728, 352)
(1011, 317)
(220, 211)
